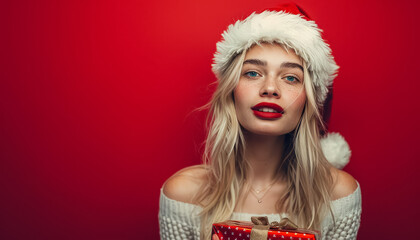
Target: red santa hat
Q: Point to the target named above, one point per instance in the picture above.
(291, 27)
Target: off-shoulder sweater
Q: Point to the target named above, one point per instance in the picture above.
(180, 221)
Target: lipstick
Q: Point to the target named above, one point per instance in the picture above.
(267, 110)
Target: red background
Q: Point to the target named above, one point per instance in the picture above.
(98, 98)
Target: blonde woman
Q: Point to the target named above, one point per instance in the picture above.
(263, 152)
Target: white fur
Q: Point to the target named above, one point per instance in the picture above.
(336, 150)
(290, 30)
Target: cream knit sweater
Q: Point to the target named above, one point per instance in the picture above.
(180, 221)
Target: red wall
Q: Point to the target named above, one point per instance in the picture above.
(97, 104)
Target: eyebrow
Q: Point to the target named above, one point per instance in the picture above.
(255, 62)
(291, 65)
(264, 63)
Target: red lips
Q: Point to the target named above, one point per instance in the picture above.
(258, 110)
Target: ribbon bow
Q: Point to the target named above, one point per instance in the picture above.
(262, 225)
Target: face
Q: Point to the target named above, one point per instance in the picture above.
(270, 97)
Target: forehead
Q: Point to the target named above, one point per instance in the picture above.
(272, 53)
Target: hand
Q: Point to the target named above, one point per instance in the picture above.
(215, 237)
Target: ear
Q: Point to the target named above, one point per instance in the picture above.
(336, 149)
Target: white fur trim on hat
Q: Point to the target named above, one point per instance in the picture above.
(336, 150)
(289, 30)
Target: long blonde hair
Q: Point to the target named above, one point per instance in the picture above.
(305, 168)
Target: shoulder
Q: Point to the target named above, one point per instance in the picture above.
(186, 183)
(343, 184)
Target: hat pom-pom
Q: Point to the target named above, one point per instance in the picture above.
(336, 150)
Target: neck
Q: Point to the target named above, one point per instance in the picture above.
(264, 154)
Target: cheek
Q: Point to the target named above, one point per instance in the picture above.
(240, 94)
(298, 106)
(242, 102)
(301, 101)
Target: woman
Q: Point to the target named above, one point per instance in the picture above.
(263, 152)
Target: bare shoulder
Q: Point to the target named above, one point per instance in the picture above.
(344, 184)
(185, 184)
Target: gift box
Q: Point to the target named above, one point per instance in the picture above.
(239, 230)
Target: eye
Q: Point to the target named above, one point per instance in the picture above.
(252, 74)
(291, 79)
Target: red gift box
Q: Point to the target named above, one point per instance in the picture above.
(238, 230)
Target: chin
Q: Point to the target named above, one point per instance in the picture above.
(265, 131)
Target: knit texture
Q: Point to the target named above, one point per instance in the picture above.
(179, 220)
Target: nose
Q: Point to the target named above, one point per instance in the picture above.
(269, 88)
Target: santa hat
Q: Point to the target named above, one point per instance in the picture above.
(291, 27)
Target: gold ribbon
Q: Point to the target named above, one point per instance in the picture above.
(262, 225)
